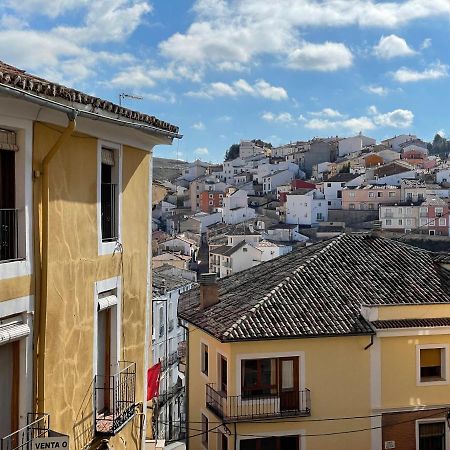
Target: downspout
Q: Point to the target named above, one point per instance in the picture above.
(44, 251)
(186, 377)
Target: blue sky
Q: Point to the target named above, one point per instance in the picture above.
(225, 70)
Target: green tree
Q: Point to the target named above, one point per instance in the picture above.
(232, 152)
(345, 169)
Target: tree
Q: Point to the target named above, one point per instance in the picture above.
(345, 169)
(232, 152)
(440, 145)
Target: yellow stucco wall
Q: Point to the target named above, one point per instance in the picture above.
(337, 371)
(11, 288)
(413, 311)
(398, 375)
(74, 267)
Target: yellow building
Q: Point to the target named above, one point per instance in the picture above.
(342, 345)
(75, 259)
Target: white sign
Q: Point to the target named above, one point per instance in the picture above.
(389, 444)
(45, 443)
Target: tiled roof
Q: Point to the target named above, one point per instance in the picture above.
(227, 250)
(412, 323)
(170, 281)
(341, 177)
(17, 78)
(318, 291)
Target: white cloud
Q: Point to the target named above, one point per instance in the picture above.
(326, 112)
(224, 119)
(230, 34)
(399, 118)
(283, 117)
(433, 72)
(260, 89)
(199, 126)
(392, 46)
(327, 57)
(377, 90)
(425, 44)
(441, 133)
(201, 151)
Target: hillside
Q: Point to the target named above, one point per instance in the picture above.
(167, 169)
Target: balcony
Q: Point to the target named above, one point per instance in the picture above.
(241, 408)
(9, 235)
(114, 399)
(38, 426)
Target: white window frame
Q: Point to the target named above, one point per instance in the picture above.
(107, 248)
(23, 306)
(433, 420)
(444, 365)
(442, 222)
(109, 284)
(24, 190)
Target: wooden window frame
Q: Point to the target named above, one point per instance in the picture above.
(259, 386)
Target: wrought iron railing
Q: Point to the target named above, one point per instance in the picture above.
(241, 408)
(37, 426)
(9, 234)
(114, 399)
(109, 212)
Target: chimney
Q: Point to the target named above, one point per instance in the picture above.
(209, 293)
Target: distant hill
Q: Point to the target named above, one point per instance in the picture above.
(167, 169)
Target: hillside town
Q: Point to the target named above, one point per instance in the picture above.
(288, 297)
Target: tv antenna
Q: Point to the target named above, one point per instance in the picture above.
(124, 95)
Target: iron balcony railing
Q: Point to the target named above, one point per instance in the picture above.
(109, 212)
(9, 235)
(114, 399)
(243, 408)
(37, 426)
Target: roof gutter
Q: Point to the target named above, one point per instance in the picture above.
(72, 111)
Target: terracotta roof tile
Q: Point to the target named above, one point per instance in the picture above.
(318, 291)
(12, 76)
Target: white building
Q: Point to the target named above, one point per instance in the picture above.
(306, 207)
(235, 207)
(168, 340)
(395, 142)
(289, 149)
(232, 168)
(332, 189)
(354, 144)
(443, 176)
(226, 260)
(249, 148)
(180, 244)
(272, 181)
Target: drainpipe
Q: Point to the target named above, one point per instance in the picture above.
(186, 382)
(44, 259)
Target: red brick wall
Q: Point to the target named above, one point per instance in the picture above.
(205, 199)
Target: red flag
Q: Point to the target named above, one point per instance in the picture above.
(153, 375)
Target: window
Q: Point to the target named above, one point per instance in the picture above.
(438, 211)
(211, 203)
(400, 221)
(431, 436)
(244, 249)
(351, 206)
(205, 358)
(223, 374)
(351, 194)
(328, 184)
(319, 216)
(370, 205)
(371, 194)
(423, 222)
(408, 221)
(432, 363)
(408, 195)
(205, 430)
(161, 322)
(339, 194)
(442, 222)
(211, 196)
(109, 195)
(342, 185)
(271, 443)
(400, 210)
(388, 222)
(259, 377)
(223, 441)
(380, 194)
(329, 203)
(109, 183)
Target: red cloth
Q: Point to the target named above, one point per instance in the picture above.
(153, 375)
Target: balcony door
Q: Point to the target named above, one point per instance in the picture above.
(9, 388)
(288, 383)
(8, 214)
(104, 359)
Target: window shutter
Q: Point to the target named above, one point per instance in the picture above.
(8, 140)
(106, 302)
(13, 331)
(108, 156)
(430, 357)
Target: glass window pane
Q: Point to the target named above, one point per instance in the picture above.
(287, 374)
